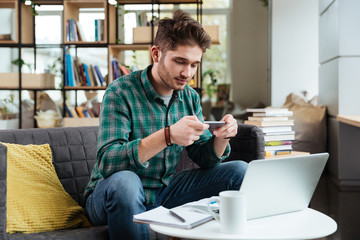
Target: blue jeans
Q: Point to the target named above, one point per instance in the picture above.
(116, 199)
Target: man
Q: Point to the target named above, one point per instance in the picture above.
(148, 117)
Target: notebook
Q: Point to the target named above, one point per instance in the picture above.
(162, 216)
(281, 185)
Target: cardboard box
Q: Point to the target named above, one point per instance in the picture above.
(29, 80)
(143, 34)
(78, 122)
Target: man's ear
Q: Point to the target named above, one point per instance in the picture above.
(155, 53)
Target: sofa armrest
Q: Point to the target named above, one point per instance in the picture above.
(3, 172)
(248, 144)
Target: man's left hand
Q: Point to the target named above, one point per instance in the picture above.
(229, 129)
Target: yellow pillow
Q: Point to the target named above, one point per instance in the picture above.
(36, 200)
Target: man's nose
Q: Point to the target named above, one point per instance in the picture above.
(187, 72)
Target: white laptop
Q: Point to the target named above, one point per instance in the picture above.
(281, 185)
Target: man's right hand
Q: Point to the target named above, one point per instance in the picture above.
(187, 130)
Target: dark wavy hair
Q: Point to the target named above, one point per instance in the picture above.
(181, 30)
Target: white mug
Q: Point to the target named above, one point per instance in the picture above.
(232, 211)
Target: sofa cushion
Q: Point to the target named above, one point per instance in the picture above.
(74, 152)
(36, 200)
(92, 233)
(248, 144)
(3, 175)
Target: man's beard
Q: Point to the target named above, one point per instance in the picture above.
(165, 77)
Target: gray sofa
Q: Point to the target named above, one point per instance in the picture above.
(74, 154)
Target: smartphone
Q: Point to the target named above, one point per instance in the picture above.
(215, 124)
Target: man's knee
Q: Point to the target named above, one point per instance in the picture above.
(238, 166)
(125, 187)
(236, 169)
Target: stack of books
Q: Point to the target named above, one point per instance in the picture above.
(277, 128)
(117, 69)
(81, 74)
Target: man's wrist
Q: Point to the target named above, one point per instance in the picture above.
(167, 136)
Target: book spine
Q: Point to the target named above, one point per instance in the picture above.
(80, 112)
(277, 143)
(276, 153)
(87, 75)
(96, 30)
(101, 78)
(70, 71)
(68, 111)
(98, 83)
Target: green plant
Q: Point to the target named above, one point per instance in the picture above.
(210, 82)
(54, 67)
(17, 61)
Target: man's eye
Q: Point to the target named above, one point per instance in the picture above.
(179, 61)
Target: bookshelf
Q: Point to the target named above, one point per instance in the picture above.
(23, 35)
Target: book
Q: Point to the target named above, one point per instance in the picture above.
(267, 109)
(80, 32)
(276, 129)
(280, 137)
(276, 152)
(91, 76)
(73, 112)
(273, 114)
(70, 71)
(96, 77)
(280, 147)
(86, 113)
(5, 36)
(162, 216)
(87, 75)
(82, 75)
(278, 133)
(68, 112)
(123, 69)
(265, 119)
(100, 76)
(270, 123)
(277, 143)
(80, 112)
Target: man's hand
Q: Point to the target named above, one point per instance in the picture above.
(187, 130)
(229, 129)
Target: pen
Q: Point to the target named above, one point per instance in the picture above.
(177, 216)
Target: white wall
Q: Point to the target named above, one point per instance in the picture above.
(295, 54)
(248, 52)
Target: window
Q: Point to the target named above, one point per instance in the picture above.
(214, 12)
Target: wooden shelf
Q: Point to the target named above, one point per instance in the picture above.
(78, 122)
(353, 120)
(26, 22)
(84, 88)
(157, 1)
(48, 2)
(116, 52)
(29, 81)
(72, 11)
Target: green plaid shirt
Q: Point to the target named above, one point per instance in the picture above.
(132, 110)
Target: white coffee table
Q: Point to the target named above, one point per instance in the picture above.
(306, 224)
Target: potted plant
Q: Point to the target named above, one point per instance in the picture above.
(210, 80)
